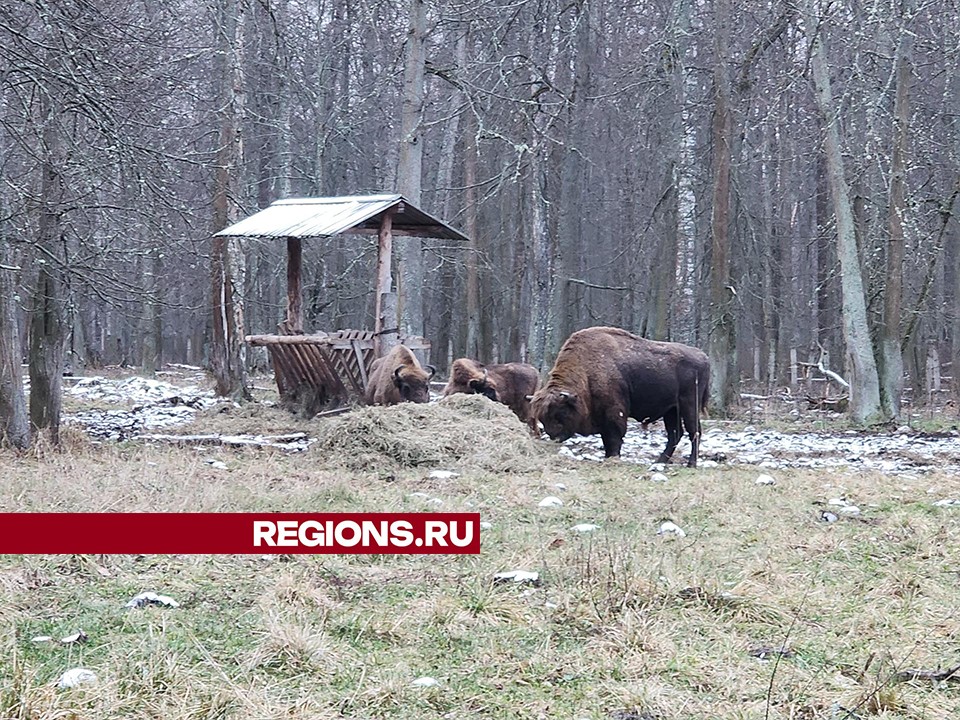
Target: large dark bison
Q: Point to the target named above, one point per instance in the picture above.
(397, 377)
(604, 375)
(509, 383)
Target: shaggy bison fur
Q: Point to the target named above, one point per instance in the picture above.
(605, 375)
(508, 383)
(397, 377)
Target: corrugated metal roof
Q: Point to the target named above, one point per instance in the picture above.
(326, 217)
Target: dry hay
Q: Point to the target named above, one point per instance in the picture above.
(464, 429)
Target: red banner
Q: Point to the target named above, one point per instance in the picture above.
(240, 533)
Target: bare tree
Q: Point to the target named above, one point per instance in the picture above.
(14, 428)
(47, 321)
(722, 333)
(891, 356)
(409, 167)
(864, 381)
(225, 356)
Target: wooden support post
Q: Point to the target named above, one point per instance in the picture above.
(293, 325)
(388, 321)
(384, 282)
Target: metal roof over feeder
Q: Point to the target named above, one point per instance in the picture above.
(299, 219)
(329, 216)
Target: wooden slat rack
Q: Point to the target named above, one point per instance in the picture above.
(322, 371)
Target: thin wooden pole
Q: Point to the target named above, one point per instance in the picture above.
(294, 322)
(384, 282)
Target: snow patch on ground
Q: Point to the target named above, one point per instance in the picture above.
(150, 404)
(891, 453)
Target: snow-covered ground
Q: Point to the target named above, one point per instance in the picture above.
(903, 451)
(146, 405)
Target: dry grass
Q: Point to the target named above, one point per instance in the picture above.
(626, 623)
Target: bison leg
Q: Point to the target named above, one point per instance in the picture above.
(612, 433)
(672, 422)
(691, 421)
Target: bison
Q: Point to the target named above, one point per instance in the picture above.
(604, 375)
(397, 377)
(509, 383)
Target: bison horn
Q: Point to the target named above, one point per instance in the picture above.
(564, 393)
(396, 373)
(432, 370)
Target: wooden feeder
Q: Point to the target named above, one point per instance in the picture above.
(329, 368)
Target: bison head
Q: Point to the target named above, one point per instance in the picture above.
(485, 386)
(413, 383)
(559, 411)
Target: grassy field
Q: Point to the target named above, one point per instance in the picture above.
(626, 624)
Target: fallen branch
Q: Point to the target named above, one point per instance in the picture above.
(277, 441)
(335, 411)
(829, 373)
(932, 675)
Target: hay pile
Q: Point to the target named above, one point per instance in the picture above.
(461, 429)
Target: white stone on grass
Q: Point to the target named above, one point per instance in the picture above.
(484, 525)
(669, 528)
(77, 676)
(765, 480)
(947, 503)
(443, 474)
(550, 501)
(658, 477)
(151, 598)
(425, 682)
(585, 527)
(77, 637)
(517, 576)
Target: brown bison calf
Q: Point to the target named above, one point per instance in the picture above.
(397, 377)
(509, 383)
(604, 375)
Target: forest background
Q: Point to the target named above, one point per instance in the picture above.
(772, 181)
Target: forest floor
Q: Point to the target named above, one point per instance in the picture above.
(826, 590)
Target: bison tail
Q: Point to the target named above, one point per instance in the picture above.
(705, 399)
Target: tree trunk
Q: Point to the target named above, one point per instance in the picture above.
(444, 300)
(409, 168)
(891, 357)
(864, 381)
(226, 358)
(14, 427)
(47, 330)
(472, 348)
(152, 318)
(724, 380)
(541, 263)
